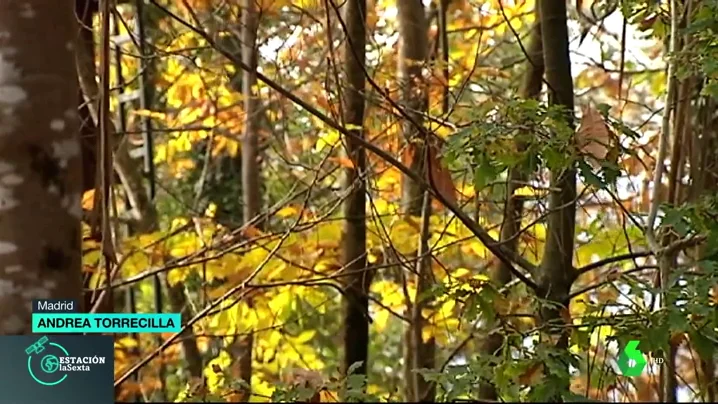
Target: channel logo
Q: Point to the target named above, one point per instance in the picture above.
(49, 363)
(631, 361)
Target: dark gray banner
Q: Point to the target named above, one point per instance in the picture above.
(57, 369)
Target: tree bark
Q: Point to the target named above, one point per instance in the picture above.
(84, 10)
(358, 280)
(191, 352)
(251, 191)
(413, 46)
(413, 43)
(144, 215)
(424, 352)
(513, 208)
(40, 163)
(555, 274)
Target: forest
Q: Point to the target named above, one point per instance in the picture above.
(371, 200)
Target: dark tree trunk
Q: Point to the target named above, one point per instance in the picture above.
(356, 302)
(40, 161)
(251, 191)
(84, 11)
(413, 45)
(555, 275)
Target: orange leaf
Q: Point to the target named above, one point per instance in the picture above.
(532, 375)
(88, 200)
(678, 338)
(594, 138)
(342, 161)
(252, 232)
(441, 176)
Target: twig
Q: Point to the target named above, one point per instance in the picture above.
(665, 132)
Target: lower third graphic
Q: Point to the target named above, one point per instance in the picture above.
(52, 363)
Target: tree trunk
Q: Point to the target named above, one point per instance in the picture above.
(144, 216)
(704, 163)
(513, 208)
(555, 274)
(413, 45)
(40, 164)
(191, 352)
(358, 281)
(84, 10)
(251, 192)
(424, 352)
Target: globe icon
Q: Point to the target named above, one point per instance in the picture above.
(50, 364)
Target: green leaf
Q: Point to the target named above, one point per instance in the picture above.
(711, 89)
(353, 367)
(589, 177)
(603, 109)
(356, 382)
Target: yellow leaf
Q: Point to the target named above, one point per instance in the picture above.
(381, 319)
(288, 211)
(525, 191)
(88, 199)
(447, 309)
(126, 342)
(443, 131)
(178, 275)
(373, 257)
(135, 264)
(215, 380)
(427, 332)
(91, 259)
(330, 138)
(211, 210)
(151, 114)
(305, 336)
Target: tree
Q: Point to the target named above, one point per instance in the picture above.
(251, 190)
(40, 160)
(413, 34)
(556, 274)
(513, 207)
(358, 280)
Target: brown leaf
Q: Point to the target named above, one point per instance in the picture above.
(236, 396)
(594, 138)
(645, 390)
(633, 165)
(304, 377)
(678, 338)
(532, 375)
(251, 232)
(342, 161)
(613, 275)
(441, 176)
